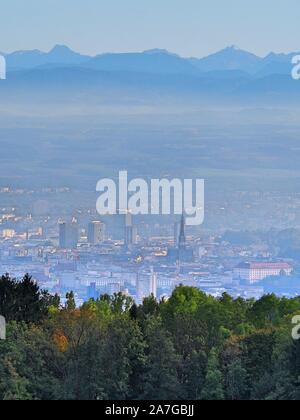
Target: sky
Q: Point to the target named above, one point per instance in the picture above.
(187, 27)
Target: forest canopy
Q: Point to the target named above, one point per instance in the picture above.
(192, 346)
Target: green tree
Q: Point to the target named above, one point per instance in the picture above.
(160, 378)
(237, 387)
(192, 371)
(265, 312)
(213, 386)
(70, 304)
(119, 302)
(24, 301)
(122, 358)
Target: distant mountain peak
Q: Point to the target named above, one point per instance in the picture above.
(61, 49)
(233, 48)
(59, 54)
(155, 51)
(229, 59)
(64, 54)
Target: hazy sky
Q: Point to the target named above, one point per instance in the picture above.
(188, 27)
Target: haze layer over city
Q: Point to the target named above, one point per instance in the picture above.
(68, 119)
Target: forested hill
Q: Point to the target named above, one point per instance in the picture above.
(189, 347)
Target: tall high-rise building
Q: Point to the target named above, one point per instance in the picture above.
(176, 233)
(96, 232)
(68, 235)
(92, 291)
(153, 283)
(129, 231)
(182, 238)
(146, 285)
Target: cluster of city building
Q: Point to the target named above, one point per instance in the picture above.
(80, 253)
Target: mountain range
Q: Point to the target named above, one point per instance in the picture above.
(70, 119)
(154, 61)
(229, 74)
